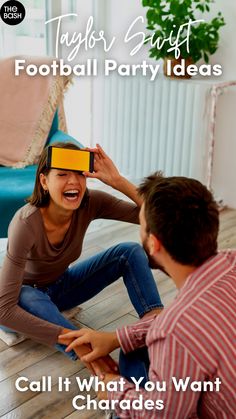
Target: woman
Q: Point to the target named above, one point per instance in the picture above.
(46, 235)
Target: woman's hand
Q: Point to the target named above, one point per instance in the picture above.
(106, 171)
(104, 168)
(102, 343)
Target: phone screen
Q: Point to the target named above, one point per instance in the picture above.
(67, 159)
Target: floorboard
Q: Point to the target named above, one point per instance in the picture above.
(107, 311)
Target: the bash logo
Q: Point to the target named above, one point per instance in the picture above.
(12, 12)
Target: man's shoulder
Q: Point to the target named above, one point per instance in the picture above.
(198, 300)
(165, 324)
(230, 255)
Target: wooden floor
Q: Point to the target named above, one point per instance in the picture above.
(109, 309)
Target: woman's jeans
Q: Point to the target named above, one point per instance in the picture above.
(86, 279)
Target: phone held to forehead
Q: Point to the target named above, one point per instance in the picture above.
(67, 159)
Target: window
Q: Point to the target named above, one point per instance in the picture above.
(28, 38)
(32, 36)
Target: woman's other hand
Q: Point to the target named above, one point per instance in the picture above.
(104, 168)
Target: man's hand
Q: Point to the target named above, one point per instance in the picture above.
(105, 364)
(102, 343)
(106, 378)
(80, 352)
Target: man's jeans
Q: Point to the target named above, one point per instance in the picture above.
(135, 364)
(86, 279)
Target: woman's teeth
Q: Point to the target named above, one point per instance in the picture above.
(71, 194)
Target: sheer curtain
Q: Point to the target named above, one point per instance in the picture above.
(29, 37)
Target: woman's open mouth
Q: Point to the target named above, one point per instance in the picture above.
(71, 195)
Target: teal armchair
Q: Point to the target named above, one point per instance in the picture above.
(17, 184)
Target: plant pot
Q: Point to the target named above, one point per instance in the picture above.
(170, 63)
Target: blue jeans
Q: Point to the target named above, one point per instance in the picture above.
(86, 279)
(135, 364)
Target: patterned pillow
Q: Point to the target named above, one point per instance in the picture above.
(27, 108)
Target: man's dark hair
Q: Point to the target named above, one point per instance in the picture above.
(183, 215)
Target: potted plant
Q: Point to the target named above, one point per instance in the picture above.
(169, 22)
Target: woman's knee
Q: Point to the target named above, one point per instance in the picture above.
(40, 305)
(133, 250)
(31, 299)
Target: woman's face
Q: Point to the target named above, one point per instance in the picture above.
(66, 188)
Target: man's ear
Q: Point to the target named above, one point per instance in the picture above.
(154, 244)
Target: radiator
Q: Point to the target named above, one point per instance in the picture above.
(160, 125)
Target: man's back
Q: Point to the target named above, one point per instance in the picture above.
(195, 337)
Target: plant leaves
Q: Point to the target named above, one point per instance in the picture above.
(164, 19)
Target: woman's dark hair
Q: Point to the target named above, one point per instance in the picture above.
(183, 215)
(39, 198)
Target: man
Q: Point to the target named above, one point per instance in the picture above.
(191, 344)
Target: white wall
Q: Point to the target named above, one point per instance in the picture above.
(119, 19)
(78, 110)
(118, 15)
(226, 54)
(78, 99)
(114, 18)
(224, 168)
(224, 172)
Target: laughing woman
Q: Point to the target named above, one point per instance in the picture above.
(46, 235)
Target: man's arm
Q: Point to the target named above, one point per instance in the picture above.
(133, 336)
(102, 343)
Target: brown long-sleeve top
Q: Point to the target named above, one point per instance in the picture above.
(31, 259)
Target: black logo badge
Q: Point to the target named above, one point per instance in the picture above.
(12, 12)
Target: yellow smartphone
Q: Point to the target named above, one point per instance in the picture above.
(67, 159)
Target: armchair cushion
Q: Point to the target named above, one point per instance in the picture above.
(62, 137)
(17, 184)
